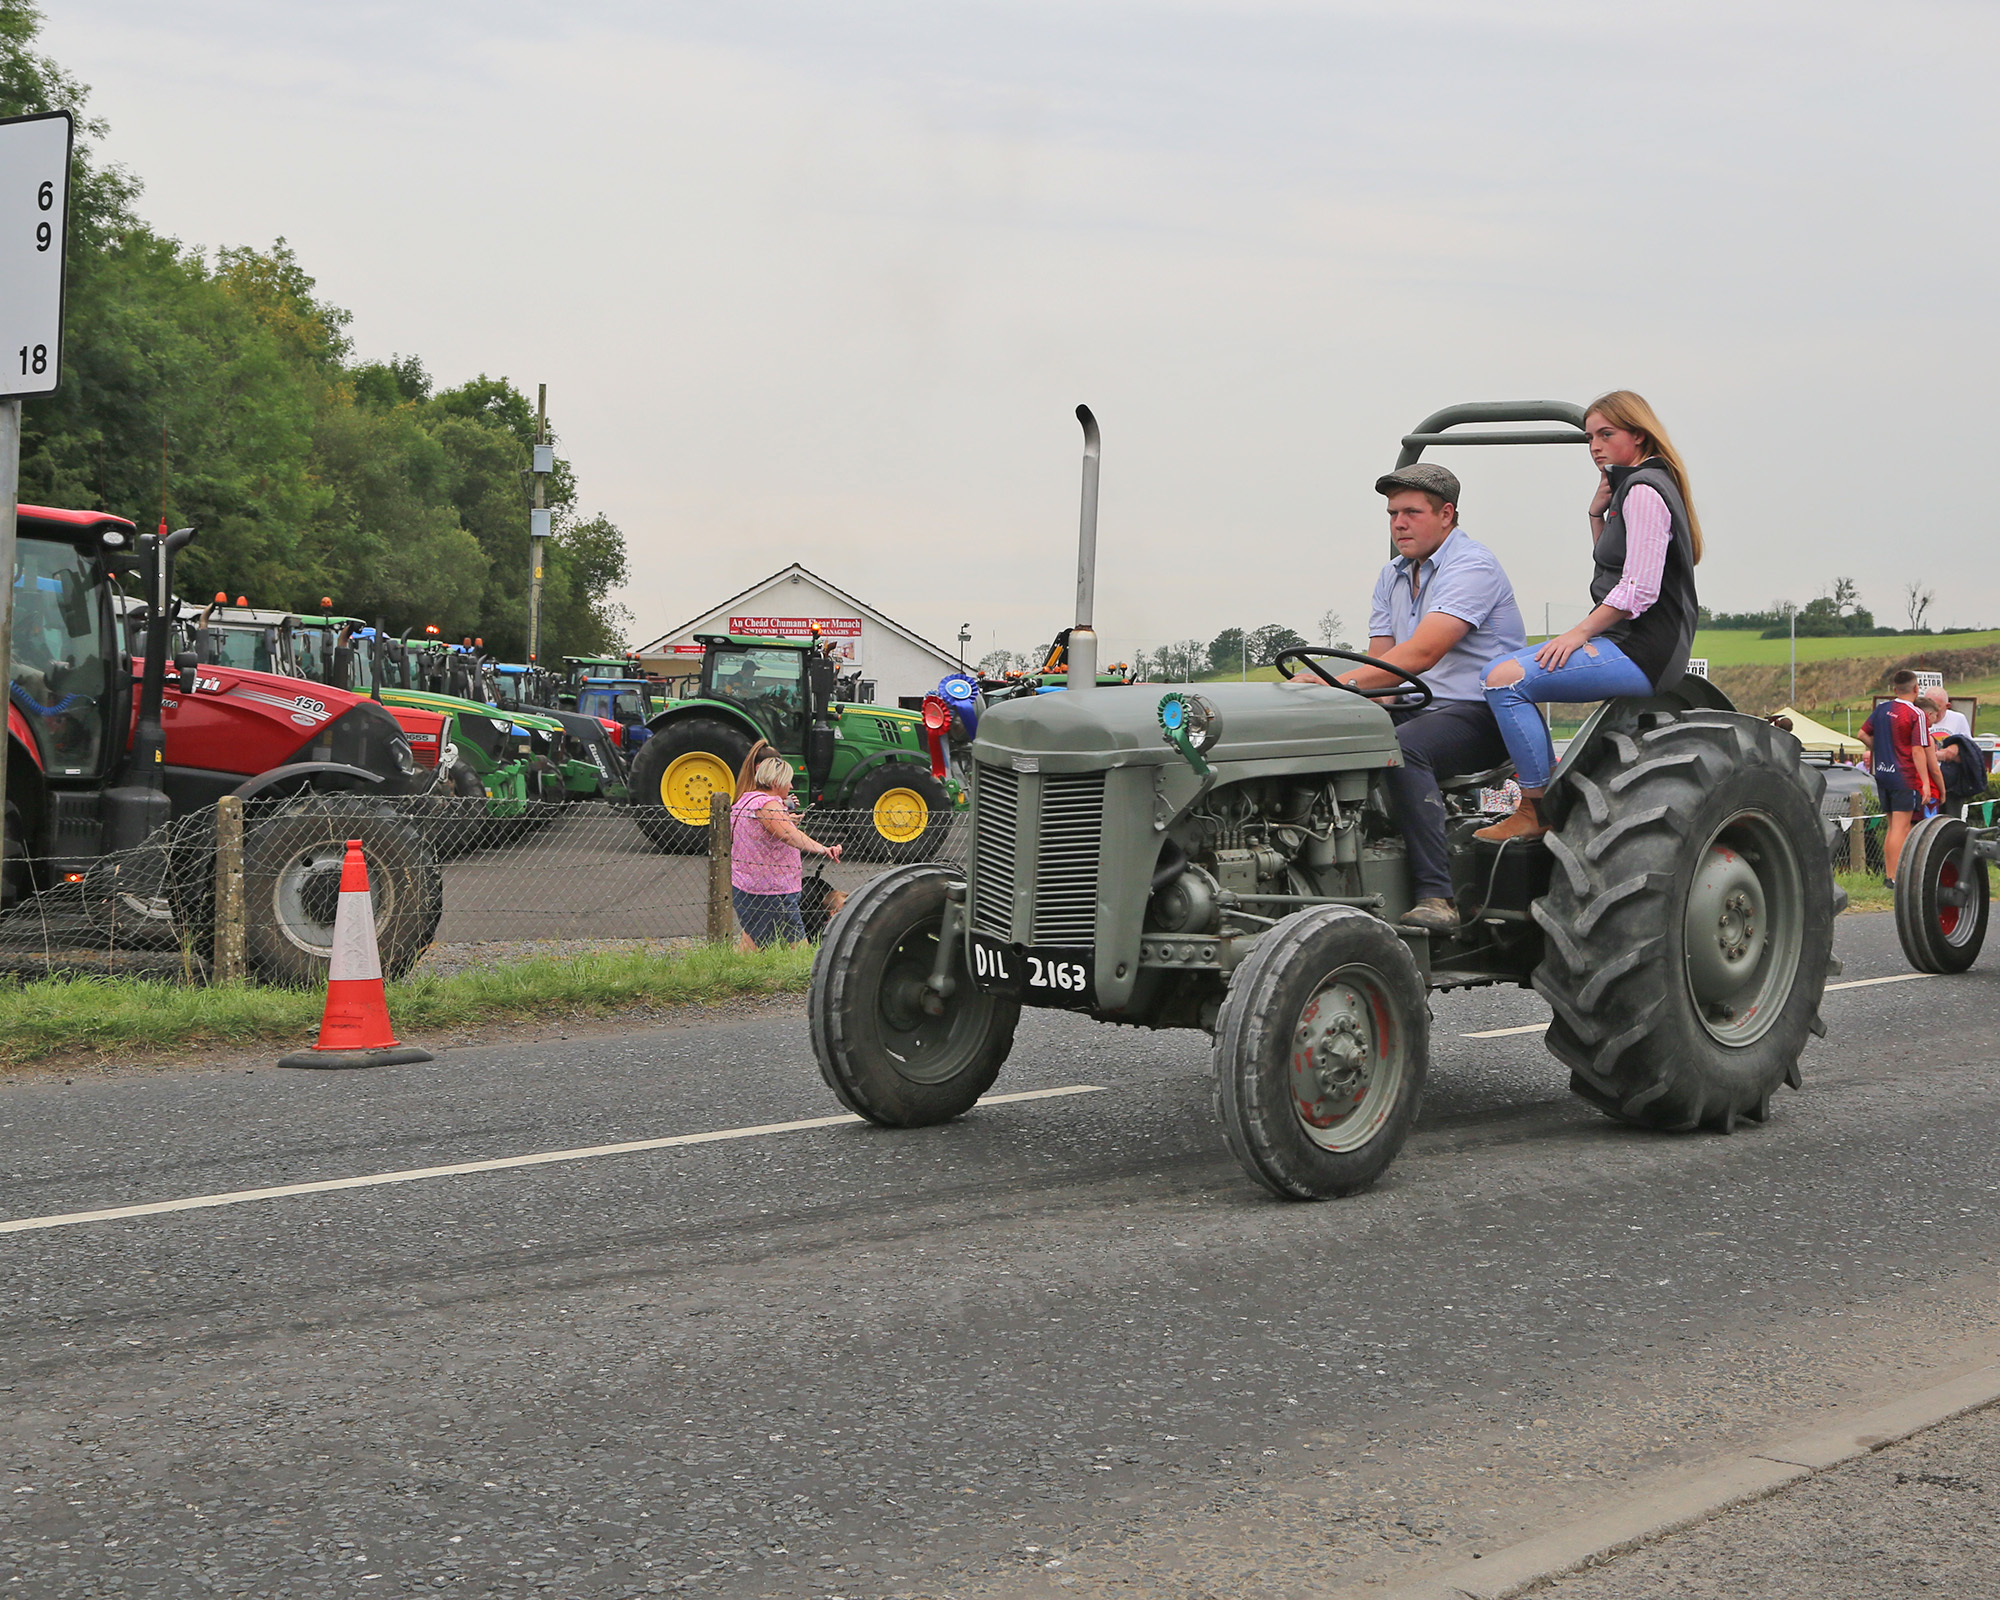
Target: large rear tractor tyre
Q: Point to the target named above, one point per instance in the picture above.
(1940, 917)
(888, 1056)
(291, 886)
(1689, 921)
(904, 814)
(1320, 1053)
(675, 772)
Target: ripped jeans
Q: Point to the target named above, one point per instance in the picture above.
(1597, 670)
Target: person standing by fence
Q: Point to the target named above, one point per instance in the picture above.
(766, 846)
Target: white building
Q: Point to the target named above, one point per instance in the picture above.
(787, 605)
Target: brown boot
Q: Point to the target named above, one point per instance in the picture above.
(1435, 914)
(1525, 823)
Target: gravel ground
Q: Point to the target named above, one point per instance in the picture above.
(1917, 1518)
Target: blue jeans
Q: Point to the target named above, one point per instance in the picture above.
(1598, 670)
(767, 918)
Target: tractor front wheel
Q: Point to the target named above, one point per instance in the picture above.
(905, 814)
(674, 774)
(1320, 1053)
(894, 1051)
(291, 887)
(1940, 916)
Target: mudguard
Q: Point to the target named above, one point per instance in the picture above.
(302, 769)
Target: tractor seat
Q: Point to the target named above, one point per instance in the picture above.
(1491, 778)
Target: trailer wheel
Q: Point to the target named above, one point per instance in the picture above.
(1937, 934)
(1689, 921)
(905, 813)
(1320, 1053)
(291, 886)
(885, 1055)
(676, 771)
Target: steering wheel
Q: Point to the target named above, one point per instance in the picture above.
(1306, 655)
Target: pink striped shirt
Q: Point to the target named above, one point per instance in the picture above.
(760, 862)
(1649, 527)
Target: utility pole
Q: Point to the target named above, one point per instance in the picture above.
(538, 522)
(10, 486)
(1792, 616)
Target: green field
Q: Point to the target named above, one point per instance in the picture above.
(1742, 648)
(1733, 648)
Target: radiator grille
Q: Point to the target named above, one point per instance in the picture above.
(1066, 868)
(996, 804)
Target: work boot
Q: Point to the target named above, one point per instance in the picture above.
(1525, 823)
(1434, 915)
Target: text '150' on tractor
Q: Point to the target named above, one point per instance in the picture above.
(853, 757)
(1226, 859)
(116, 761)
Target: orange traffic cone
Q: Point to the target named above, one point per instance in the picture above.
(355, 1031)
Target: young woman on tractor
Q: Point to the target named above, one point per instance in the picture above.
(1645, 541)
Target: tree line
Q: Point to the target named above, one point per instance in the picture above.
(1233, 650)
(219, 390)
(1836, 613)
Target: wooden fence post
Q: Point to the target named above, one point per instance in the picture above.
(226, 953)
(721, 913)
(1857, 833)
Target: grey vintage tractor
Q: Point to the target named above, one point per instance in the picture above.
(1225, 858)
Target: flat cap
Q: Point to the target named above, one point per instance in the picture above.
(1420, 475)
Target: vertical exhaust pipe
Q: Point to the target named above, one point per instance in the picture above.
(1083, 637)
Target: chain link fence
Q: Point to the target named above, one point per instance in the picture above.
(251, 890)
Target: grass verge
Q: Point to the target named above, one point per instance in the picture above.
(48, 1017)
(1865, 891)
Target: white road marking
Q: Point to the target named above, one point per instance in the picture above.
(540, 1159)
(1856, 983)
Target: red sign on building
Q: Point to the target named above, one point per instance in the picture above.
(797, 627)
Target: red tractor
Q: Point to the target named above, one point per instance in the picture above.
(107, 749)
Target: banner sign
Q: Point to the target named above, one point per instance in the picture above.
(797, 627)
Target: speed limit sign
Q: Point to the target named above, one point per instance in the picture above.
(34, 218)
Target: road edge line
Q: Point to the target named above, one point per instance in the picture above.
(1736, 1480)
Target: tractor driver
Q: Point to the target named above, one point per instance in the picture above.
(1443, 609)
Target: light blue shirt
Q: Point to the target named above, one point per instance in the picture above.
(1463, 579)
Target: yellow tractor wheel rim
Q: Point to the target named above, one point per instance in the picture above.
(688, 782)
(901, 815)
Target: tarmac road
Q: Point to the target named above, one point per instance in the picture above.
(1060, 1347)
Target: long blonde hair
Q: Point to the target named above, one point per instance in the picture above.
(1624, 409)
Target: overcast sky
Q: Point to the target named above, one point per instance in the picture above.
(824, 281)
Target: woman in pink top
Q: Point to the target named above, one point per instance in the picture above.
(765, 847)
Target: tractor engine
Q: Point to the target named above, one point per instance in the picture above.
(1110, 874)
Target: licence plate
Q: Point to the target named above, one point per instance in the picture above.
(1042, 975)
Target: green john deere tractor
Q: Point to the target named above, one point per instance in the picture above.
(1228, 860)
(505, 757)
(854, 757)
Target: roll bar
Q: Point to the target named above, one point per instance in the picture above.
(1432, 430)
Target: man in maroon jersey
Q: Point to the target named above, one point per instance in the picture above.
(1905, 766)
